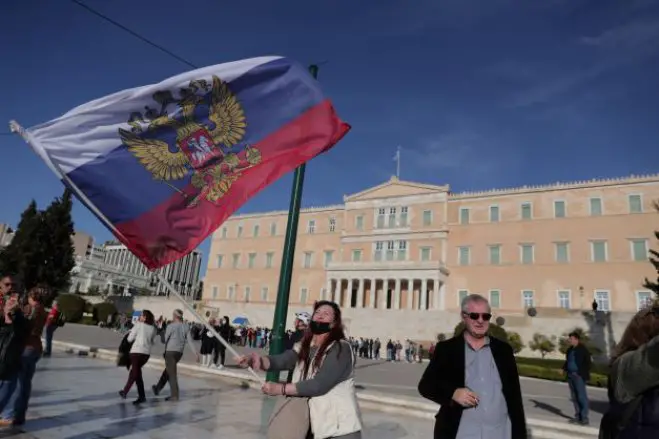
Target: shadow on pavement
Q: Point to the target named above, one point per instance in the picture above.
(550, 409)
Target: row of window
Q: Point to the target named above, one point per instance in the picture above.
(596, 208)
(264, 293)
(563, 299)
(528, 299)
(398, 251)
(396, 217)
(599, 252)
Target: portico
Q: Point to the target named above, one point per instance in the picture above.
(400, 285)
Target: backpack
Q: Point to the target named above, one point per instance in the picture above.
(61, 319)
(617, 417)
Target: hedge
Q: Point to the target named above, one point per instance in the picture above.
(556, 374)
(557, 363)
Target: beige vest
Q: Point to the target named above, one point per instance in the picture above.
(335, 413)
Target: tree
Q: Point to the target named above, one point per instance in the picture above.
(515, 341)
(22, 256)
(564, 342)
(543, 344)
(56, 232)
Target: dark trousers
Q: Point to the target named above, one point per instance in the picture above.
(50, 332)
(170, 374)
(579, 396)
(137, 362)
(220, 353)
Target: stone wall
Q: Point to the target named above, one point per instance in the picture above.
(605, 329)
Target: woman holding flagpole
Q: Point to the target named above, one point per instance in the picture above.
(323, 365)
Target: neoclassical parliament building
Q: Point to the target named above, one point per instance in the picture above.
(411, 246)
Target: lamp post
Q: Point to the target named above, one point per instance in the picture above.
(581, 296)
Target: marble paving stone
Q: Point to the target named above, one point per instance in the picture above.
(77, 398)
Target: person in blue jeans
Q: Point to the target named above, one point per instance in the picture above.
(15, 409)
(577, 369)
(51, 326)
(13, 329)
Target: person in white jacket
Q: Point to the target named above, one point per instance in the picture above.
(142, 337)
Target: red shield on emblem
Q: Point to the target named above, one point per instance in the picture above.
(199, 148)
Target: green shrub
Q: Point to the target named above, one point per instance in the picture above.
(556, 374)
(103, 310)
(515, 340)
(87, 320)
(72, 306)
(495, 331)
(543, 344)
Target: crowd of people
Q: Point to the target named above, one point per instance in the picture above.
(23, 322)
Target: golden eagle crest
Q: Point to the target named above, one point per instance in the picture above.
(204, 151)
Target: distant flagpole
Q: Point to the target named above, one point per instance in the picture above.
(288, 257)
(397, 159)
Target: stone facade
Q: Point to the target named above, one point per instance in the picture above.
(420, 248)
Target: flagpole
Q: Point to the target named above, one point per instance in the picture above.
(398, 162)
(288, 258)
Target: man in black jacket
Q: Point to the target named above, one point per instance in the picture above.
(577, 368)
(474, 378)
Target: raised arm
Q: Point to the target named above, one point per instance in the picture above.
(133, 332)
(284, 361)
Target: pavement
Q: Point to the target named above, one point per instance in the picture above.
(76, 398)
(543, 400)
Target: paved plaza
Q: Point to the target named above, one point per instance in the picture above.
(76, 398)
(542, 399)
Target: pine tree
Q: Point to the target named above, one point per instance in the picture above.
(654, 260)
(15, 257)
(57, 246)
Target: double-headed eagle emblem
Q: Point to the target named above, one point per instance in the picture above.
(204, 151)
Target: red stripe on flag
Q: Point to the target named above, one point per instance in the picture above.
(171, 230)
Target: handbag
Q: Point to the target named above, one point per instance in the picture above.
(290, 418)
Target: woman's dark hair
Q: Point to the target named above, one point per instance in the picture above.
(39, 293)
(336, 334)
(148, 317)
(643, 327)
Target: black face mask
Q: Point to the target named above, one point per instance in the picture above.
(319, 327)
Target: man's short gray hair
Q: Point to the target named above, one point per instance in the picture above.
(471, 299)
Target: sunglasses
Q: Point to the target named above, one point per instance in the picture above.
(486, 316)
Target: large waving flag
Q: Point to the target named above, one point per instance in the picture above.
(162, 166)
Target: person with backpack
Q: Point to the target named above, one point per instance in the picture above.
(633, 386)
(54, 320)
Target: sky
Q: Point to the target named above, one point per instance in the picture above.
(479, 94)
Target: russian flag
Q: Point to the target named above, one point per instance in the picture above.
(162, 166)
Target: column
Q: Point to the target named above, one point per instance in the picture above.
(383, 296)
(442, 296)
(410, 293)
(436, 304)
(336, 293)
(423, 305)
(397, 295)
(360, 293)
(371, 293)
(348, 300)
(328, 289)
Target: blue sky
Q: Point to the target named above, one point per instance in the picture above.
(479, 93)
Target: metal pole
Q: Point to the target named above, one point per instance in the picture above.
(201, 320)
(288, 258)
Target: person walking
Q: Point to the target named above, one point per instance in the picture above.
(13, 330)
(207, 345)
(176, 337)
(142, 335)
(577, 368)
(52, 323)
(224, 329)
(474, 378)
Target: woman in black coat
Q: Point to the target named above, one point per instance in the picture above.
(207, 346)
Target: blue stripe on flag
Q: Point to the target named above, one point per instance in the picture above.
(272, 95)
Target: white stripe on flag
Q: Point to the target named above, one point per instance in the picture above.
(91, 130)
